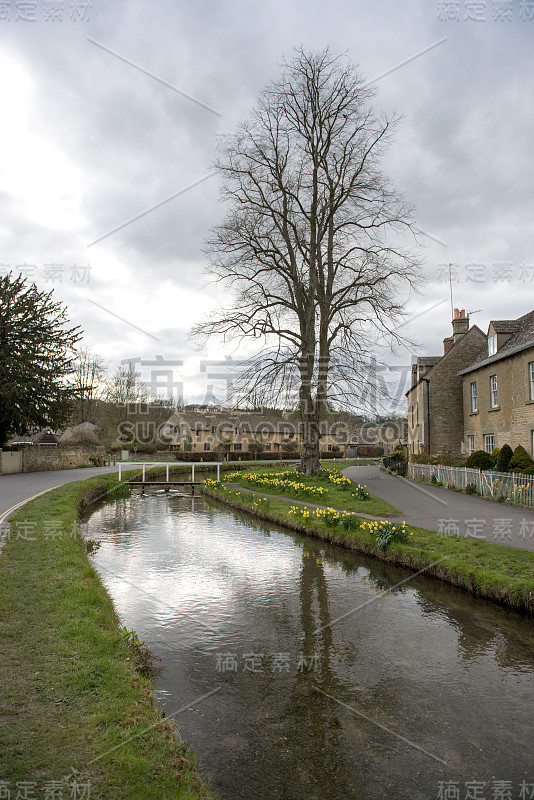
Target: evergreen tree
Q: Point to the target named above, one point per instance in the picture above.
(36, 355)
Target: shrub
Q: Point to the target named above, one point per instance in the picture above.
(520, 460)
(444, 459)
(479, 460)
(494, 456)
(504, 458)
(471, 488)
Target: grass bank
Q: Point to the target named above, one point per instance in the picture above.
(75, 708)
(502, 574)
(340, 494)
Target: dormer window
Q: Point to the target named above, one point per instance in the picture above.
(492, 345)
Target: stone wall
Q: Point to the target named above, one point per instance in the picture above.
(41, 458)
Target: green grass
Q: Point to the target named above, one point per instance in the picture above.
(335, 498)
(497, 572)
(71, 692)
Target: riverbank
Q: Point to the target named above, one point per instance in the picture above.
(502, 574)
(75, 707)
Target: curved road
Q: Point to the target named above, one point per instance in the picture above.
(16, 489)
(451, 513)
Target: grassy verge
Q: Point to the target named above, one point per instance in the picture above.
(73, 696)
(334, 496)
(496, 572)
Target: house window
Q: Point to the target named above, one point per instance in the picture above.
(237, 430)
(268, 446)
(531, 380)
(198, 433)
(329, 446)
(470, 445)
(175, 429)
(492, 344)
(489, 442)
(412, 412)
(238, 446)
(494, 401)
(474, 398)
(213, 429)
(207, 447)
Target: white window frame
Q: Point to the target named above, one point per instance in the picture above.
(474, 397)
(492, 345)
(267, 446)
(489, 439)
(238, 446)
(470, 444)
(494, 393)
(531, 379)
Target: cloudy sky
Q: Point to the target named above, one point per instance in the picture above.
(112, 114)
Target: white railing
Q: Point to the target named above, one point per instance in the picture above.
(129, 465)
(507, 486)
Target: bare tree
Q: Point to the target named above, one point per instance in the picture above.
(125, 386)
(312, 245)
(87, 381)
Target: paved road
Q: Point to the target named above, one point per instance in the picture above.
(15, 489)
(437, 509)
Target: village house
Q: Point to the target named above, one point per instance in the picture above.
(240, 431)
(479, 394)
(498, 388)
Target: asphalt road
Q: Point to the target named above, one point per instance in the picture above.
(450, 512)
(16, 489)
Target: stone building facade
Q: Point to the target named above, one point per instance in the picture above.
(435, 399)
(479, 394)
(240, 431)
(498, 389)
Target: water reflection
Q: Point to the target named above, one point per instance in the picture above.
(417, 671)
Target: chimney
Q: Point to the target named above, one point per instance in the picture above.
(460, 325)
(447, 344)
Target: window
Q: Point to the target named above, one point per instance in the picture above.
(238, 446)
(470, 445)
(494, 401)
(213, 429)
(198, 433)
(474, 398)
(329, 446)
(412, 413)
(531, 380)
(207, 447)
(492, 344)
(175, 429)
(268, 446)
(489, 442)
(237, 430)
